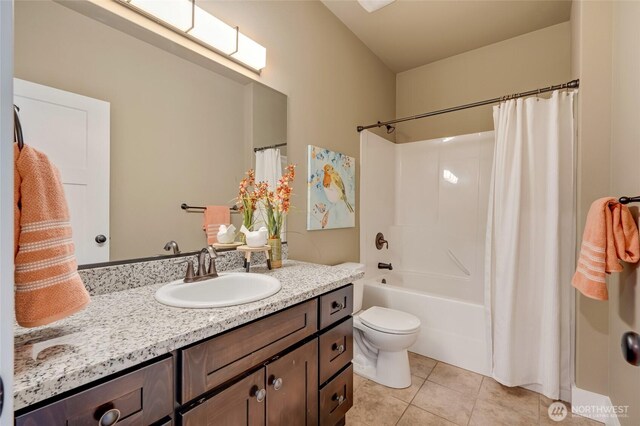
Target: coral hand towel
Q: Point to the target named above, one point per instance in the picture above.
(610, 235)
(214, 216)
(48, 287)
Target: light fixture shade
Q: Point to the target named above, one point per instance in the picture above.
(212, 31)
(373, 5)
(177, 13)
(250, 53)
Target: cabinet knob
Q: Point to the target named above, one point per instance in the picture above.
(260, 394)
(110, 417)
(338, 348)
(276, 383)
(101, 239)
(339, 398)
(337, 305)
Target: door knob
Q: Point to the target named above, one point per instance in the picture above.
(101, 239)
(631, 347)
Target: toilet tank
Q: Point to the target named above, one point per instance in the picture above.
(358, 285)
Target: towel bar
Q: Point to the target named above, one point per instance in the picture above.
(627, 200)
(185, 206)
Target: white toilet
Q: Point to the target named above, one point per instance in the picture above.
(381, 338)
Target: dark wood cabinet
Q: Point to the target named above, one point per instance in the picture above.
(241, 404)
(215, 361)
(292, 367)
(336, 398)
(141, 397)
(282, 392)
(292, 387)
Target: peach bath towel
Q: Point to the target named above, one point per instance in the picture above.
(214, 216)
(610, 235)
(48, 287)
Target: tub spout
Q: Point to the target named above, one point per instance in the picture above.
(388, 266)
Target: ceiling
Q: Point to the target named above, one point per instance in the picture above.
(411, 33)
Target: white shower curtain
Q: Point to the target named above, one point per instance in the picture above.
(530, 244)
(268, 169)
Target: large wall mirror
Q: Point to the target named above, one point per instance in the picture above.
(177, 132)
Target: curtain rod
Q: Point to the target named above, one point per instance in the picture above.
(262, 148)
(573, 84)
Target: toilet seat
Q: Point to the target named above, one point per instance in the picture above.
(389, 321)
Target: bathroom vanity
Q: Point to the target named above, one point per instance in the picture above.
(282, 360)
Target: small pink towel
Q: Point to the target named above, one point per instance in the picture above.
(214, 216)
(610, 235)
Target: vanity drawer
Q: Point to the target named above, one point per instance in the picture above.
(335, 349)
(336, 305)
(142, 397)
(216, 361)
(336, 398)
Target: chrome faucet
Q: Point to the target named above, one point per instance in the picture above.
(172, 245)
(388, 266)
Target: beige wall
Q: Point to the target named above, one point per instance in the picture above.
(171, 122)
(333, 83)
(591, 37)
(537, 59)
(624, 303)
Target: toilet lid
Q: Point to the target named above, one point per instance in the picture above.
(389, 320)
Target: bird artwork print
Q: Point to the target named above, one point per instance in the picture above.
(331, 183)
(334, 187)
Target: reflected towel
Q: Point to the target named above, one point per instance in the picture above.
(214, 216)
(610, 235)
(48, 287)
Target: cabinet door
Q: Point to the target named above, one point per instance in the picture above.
(242, 403)
(292, 387)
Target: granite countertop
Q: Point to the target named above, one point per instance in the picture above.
(125, 328)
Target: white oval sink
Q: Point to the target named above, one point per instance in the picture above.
(229, 289)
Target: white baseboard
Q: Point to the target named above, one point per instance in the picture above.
(586, 404)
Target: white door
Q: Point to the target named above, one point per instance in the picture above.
(6, 212)
(73, 131)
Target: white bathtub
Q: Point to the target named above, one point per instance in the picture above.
(452, 330)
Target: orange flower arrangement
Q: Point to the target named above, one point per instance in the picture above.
(277, 203)
(247, 198)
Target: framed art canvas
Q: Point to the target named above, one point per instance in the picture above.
(331, 183)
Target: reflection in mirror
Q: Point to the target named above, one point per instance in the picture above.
(175, 132)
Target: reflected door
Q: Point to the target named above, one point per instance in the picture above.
(73, 131)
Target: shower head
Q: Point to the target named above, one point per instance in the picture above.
(390, 128)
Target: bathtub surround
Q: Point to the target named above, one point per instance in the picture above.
(436, 232)
(530, 244)
(125, 328)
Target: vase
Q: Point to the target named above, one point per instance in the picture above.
(276, 252)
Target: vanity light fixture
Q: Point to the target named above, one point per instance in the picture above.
(190, 20)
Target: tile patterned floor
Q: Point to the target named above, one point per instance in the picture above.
(443, 395)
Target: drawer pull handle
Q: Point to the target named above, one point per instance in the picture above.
(337, 305)
(109, 418)
(276, 383)
(260, 394)
(340, 398)
(338, 348)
